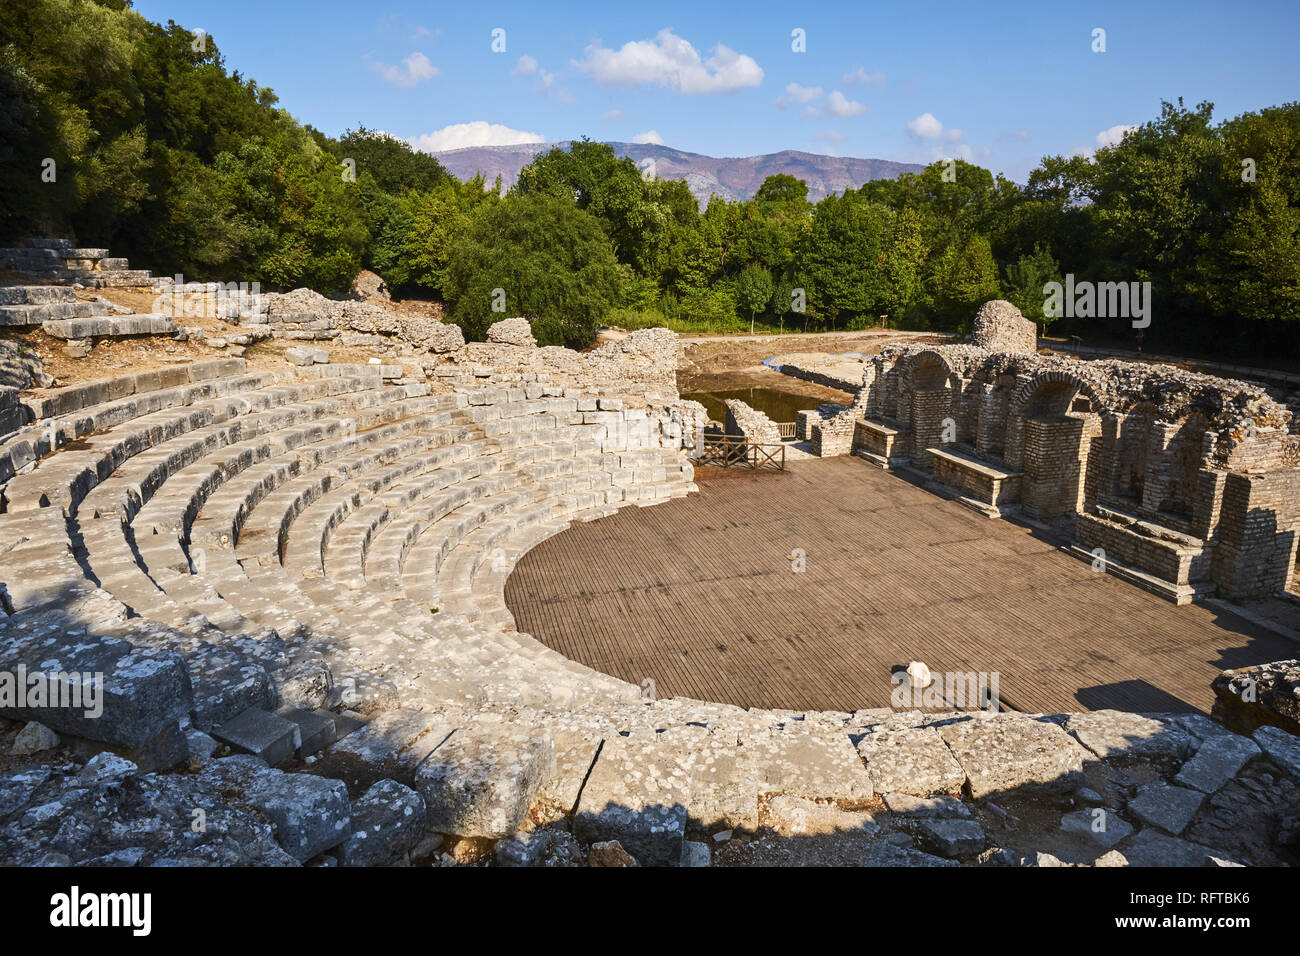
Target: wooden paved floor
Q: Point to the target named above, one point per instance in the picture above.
(699, 595)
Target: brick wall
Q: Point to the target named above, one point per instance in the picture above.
(1256, 548)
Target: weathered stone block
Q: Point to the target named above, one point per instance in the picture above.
(1006, 752)
(386, 824)
(911, 760)
(481, 782)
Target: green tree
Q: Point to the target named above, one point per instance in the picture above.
(844, 256)
(753, 290)
(1026, 278)
(551, 262)
(611, 189)
(964, 277)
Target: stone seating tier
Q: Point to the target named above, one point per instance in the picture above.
(308, 566)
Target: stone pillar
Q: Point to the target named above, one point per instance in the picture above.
(988, 437)
(1256, 548)
(1055, 456)
(1161, 481)
(931, 408)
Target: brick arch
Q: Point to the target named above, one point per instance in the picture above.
(1026, 392)
(1053, 455)
(925, 373)
(925, 357)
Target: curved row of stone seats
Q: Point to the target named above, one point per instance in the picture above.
(145, 464)
(307, 532)
(66, 414)
(302, 609)
(240, 476)
(459, 512)
(91, 522)
(64, 479)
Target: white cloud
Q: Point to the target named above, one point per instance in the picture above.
(668, 60)
(794, 93)
(952, 135)
(613, 115)
(416, 68)
(649, 137)
(925, 126)
(477, 133)
(528, 66)
(829, 136)
(1113, 136)
(859, 75)
(840, 105)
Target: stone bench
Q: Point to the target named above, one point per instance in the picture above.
(1165, 562)
(26, 446)
(54, 316)
(883, 445)
(67, 477)
(986, 488)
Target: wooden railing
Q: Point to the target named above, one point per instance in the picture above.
(733, 451)
(787, 428)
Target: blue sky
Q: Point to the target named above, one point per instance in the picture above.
(1000, 84)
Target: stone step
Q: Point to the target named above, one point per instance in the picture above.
(43, 243)
(119, 326)
(65, 477)
(36, 294)
(52, 315)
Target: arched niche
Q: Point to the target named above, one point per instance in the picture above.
(933, 394)
(1056, 419)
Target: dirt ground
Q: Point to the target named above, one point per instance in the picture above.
(724, 362)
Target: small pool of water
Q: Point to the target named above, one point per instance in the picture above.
(776, 405)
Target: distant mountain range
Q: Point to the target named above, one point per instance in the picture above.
(732, 178)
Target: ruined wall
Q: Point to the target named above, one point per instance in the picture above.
(999, 327)
(749, 423)
(1206, 462)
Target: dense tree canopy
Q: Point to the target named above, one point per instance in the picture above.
(128, 134)
(538, 256)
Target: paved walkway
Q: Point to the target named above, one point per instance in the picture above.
(699, 595)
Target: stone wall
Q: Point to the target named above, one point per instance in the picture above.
(1258, 527)
(1265, 695)
(751, 424)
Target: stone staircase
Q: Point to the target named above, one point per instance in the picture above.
(58, 259)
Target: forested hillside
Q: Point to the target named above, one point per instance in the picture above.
(123, 133)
